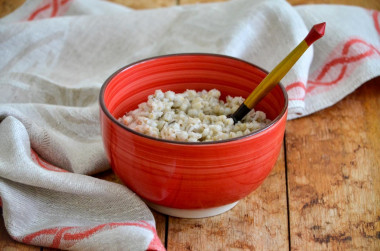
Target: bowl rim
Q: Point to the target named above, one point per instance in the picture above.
(113, 119)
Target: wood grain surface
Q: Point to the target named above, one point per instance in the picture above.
(145, 4)
(323, 194)
(333, 160)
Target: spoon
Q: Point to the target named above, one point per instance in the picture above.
(274, 77)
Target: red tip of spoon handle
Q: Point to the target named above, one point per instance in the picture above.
(315, 33)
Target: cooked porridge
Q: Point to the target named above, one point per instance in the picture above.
(192, 116)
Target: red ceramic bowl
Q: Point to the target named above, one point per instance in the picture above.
(181, 178)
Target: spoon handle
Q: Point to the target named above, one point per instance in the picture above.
(274, 77)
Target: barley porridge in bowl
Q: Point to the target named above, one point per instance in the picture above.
(192, 116)
(168, 137)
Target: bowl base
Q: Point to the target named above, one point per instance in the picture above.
(191, 213)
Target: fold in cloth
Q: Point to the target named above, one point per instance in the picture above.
(55, 55)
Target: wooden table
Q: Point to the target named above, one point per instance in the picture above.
(324, 192)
